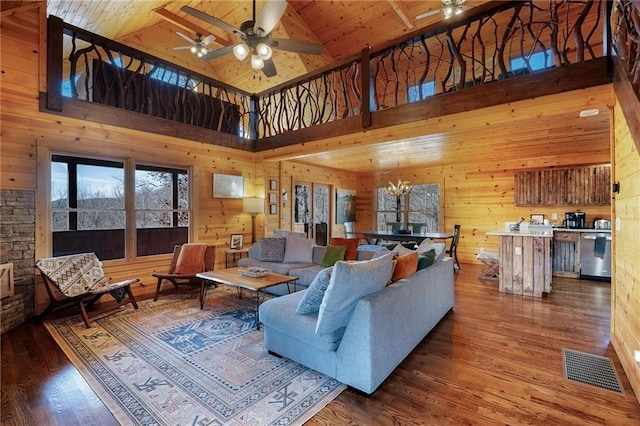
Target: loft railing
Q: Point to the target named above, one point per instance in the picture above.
(501, 40)
(626, 38)
(506, 40)
(102, 71)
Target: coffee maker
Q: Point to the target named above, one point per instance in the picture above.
(575, 220)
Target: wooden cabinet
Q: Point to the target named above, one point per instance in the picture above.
(558, 187)
(566, 254)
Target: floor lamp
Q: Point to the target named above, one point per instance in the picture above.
(253, 205)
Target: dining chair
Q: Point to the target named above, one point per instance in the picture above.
(453, 248)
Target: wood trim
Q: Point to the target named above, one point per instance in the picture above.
(104, 114)
(628, 98)
(54, 64)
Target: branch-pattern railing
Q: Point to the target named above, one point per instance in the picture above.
(625, 23)
(468, 52)
(465, 54)
(102, 71)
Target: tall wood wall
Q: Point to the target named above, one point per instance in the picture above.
(625, 300)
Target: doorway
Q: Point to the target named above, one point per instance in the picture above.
(311, 211)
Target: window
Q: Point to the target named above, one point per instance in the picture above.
(88, 208)
(424, 209)
(537, 61)
(419, 92)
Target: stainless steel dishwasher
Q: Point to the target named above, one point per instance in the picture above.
(595, 255)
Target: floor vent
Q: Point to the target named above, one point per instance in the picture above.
(591, 369)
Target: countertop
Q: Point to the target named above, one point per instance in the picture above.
(545, 234)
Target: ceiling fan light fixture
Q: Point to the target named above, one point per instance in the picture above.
(194, 49)
(264, 50)
(240, 51)
(257, 63)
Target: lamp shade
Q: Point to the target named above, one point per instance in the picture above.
(253, 205)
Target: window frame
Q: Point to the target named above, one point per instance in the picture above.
(44, 208)
(404, 205)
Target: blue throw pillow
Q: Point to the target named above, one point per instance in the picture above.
(349, 282)
(312, 298)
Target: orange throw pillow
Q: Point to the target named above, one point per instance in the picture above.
(407, 265)
(190, 259)
(350, 243)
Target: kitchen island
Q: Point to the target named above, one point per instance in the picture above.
(525, 262)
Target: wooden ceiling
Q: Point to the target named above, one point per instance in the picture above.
(343, 28)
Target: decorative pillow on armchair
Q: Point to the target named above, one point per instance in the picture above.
(268, 250)
(349, 282)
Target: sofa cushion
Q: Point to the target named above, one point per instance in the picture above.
(405, 266)
(305, 274)
(350, 243)
(268, 250)
(281, 233)
(381, 252)
(280, 314)
(298, 249)
(349, 282)
(429, 244)
(426, 259)
(333, 254)
(312, 299)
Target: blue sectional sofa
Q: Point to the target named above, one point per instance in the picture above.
(383, 328)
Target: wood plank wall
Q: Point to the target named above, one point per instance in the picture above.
(626, 284)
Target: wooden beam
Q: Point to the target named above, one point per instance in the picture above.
(402, 12)
(189, 26)
(629, 100)
(11, 8)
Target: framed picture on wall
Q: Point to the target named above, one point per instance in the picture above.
(236, 241)
(345, 205)
(273, 197)
(228, 186)
(273, 209)
(273, 185)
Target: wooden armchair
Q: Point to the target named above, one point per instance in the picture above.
(79, 279)
(187, 261)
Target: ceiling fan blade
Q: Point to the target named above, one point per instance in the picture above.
(213, 54)
(189, 39)
(208, 39)
(427, 14)
(211, 20)
(269, 16)
(269, 68)
(182, 48)
(297, 46)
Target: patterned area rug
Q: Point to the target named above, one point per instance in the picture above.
(170, 363)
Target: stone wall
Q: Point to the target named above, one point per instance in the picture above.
(17, 236)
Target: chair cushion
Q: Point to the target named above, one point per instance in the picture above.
(190, 259)
(268, 250)
(350, 243)
(298, 249)
(312, 299)
(349, 282)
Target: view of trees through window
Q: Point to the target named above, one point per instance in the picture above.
(424, 209)
(89, 213)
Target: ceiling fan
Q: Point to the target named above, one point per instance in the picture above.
(255, 37)
(198, 45)
(451, 8)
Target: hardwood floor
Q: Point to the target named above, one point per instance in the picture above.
(496, 359)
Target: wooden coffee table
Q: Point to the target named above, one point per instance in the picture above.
(233, 278)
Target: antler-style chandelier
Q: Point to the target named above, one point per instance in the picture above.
(452, 7)
(400, 189)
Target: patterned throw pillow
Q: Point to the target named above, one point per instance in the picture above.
(332, 254)
(268, 250)
(312, 298)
